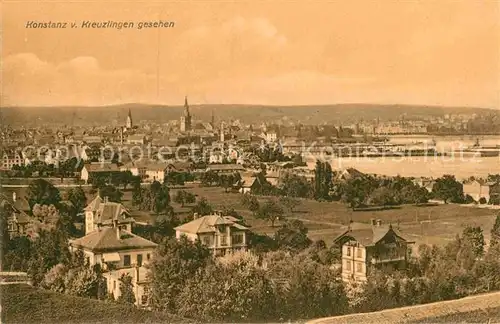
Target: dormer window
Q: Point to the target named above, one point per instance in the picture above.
(348, 251)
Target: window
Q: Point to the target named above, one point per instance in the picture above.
(237, 239)
(359, 267)
(114, 285)
(126, 260)
(348, 266)
(207, 241)
(139, 260)
(144, 299)
(148, 256)
(223, 240)
(348, 251)
(359, 252)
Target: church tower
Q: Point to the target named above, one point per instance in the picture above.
(129, 120)
(186, 118)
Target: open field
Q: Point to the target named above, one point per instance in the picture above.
(22, 303)
(325, 220)
(422, 224)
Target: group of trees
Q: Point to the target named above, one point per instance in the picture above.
(116, 179)
(243, 287)
(155, 198)
(378, 191)
(174, 178)
(64, 169)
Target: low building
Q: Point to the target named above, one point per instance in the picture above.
(377, 246)
(98, 168)
(101, 212)
(12, 158)
(221, 234)
(118, 252)
(478, 189)
(225, 168)
(137, 139)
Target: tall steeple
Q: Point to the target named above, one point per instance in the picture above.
(213, 119)
(129, 119)
(186, 118)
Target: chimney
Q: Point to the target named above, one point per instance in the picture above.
(379, 222)
(195, 216)
(117, 229)
(105, 199)
(373, 221)
(14, 196)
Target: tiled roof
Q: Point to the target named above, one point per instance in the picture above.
(105, 239)
(110, 211)
(94, 204)
(369, 236)
(225, 167)
(102, 167)
(206, 224)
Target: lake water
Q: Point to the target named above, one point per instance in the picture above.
(430, 166)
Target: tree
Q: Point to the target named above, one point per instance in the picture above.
(292, 236)
(51, 248)
(322, 180)
(495, 232)
(175, 263)
(234, 289)
(251, 203)
(381, 196)
(113, 193)
(293, 185)
(448, 189)
(289, 202)
(202, 207)
(77, 197)
(42, 192)
(271, 211)
(184, 197)
(473, 236)
(126, 290)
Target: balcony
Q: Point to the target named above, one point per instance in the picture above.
(387, 259)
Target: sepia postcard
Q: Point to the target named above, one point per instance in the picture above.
(237, 161)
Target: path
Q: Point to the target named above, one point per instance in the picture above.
(418, 312)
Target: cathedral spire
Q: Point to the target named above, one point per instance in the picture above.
(129, 119)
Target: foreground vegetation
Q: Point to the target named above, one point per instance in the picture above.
(25, 304)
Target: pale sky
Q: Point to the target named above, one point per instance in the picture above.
(433, 52)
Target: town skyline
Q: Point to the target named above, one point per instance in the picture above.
(422, 53)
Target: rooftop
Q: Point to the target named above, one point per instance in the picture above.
(106, 239)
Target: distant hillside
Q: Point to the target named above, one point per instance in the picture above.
(345, 113)
(21, 303)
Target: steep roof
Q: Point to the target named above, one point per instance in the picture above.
(369, 236)
(94, 204)
(110, 210)
(206, 224)
(105, 239)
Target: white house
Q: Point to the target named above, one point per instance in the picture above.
(221, 234)
(118, 252)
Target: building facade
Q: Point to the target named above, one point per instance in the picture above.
(221, 234)
(364, 249)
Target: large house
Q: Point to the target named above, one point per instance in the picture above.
(479, 189)
(377, 246)
(221, 234)
(104, 169)
(118, 252)
(101, 212)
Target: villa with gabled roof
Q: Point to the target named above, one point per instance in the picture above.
(221, 234)
(367, 247)
(119, 252)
